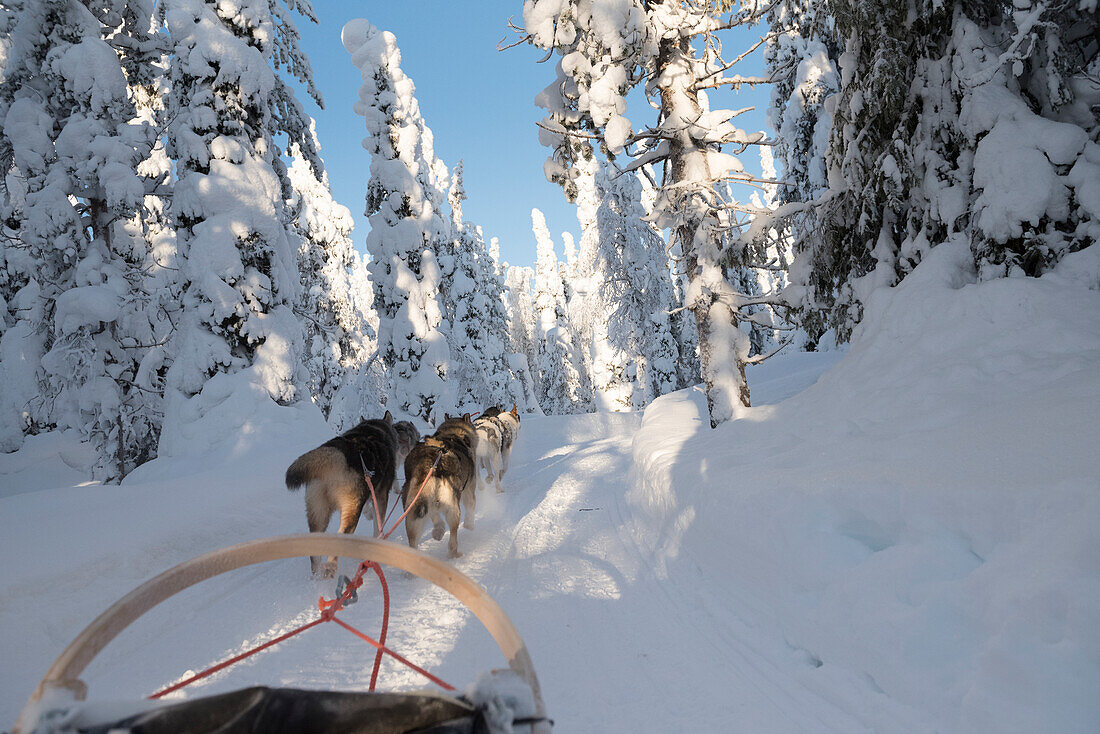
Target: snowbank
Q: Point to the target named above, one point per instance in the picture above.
(921, 528)
(79, 548)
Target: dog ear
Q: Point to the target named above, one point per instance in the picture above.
(446, 416)
(467, 417)
(515, 410)
(388, 417)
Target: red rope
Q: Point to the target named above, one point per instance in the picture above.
(385, 624)
(374, 498)
(415, 497)
(238, 658)
(382, 648)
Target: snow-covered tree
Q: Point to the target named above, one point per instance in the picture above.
(560, 384)
(406, 227)
(363, 391)
(83, 269)
(337, 334)
(681, 325)
(520, 302)
(494, 255)
(938, 108)
(474, 305)
(582, 283)
(237, 244)
(772, 326)
(522, 347)
(479, 323)
(673, 48)
(633, 351)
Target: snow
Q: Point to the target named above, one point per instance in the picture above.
(1017, 181)
(86, 305)
(900, 538)
(616, 133)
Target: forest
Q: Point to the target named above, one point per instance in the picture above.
(804, 417)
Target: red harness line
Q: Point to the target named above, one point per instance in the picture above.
(328, 610)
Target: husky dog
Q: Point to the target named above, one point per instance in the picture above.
(496, 432)
(443, 464)
(334, 475)
(407, 437)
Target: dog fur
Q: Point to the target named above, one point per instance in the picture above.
(452, 482)
(407, 437)
(333, 477)
(496, 432)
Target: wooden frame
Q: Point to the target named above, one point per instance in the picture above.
(65, 671)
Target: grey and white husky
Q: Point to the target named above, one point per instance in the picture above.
(334, 476)
(496, 432)
(443, 465)
(407, 437)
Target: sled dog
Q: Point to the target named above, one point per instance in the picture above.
(334, 475)
(496, 432)
(443, 464)
(407, 437)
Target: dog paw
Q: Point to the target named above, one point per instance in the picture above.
(437, 533)
(454, 554)
(468, 524)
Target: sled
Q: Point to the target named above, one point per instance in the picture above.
(59, 703)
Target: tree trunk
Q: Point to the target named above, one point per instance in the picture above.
(723, 348)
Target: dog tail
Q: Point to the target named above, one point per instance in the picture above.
(408, 492)
(300, 473)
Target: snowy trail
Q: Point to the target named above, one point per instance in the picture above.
(639, 649)
(618, 647)
(903, 543)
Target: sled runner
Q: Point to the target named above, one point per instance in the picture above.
(502, 699)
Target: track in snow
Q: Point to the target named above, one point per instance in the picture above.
(618, 645)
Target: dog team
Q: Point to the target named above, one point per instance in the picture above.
(442, 473)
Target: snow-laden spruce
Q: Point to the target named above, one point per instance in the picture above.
(87, 302)
(977, 125)
(633, 352)
(582, 284)
(680, 322)
(519, 301)
(477, 314)
(407, 228)
(561, 386)
(673, 49)
(338, 338)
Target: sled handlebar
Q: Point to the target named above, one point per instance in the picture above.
(65, 671)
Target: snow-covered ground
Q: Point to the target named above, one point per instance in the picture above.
(902, 538)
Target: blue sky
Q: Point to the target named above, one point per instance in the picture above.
(478, 102)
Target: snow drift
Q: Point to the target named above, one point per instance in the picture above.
(922, 526)
(908, 544)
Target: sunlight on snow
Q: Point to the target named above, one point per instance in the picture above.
(575, 577)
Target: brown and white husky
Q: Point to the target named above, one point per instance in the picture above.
(443, 464)
(334, 476)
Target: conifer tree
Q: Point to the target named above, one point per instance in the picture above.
(523, 347)
(633, 351)
(405, 231)
(681, 325)
(475, 308)
(236, 242)
(81, 269)
(925, 124)
(582, 286)
(673, 49)
(336, 333)
(560, 385)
